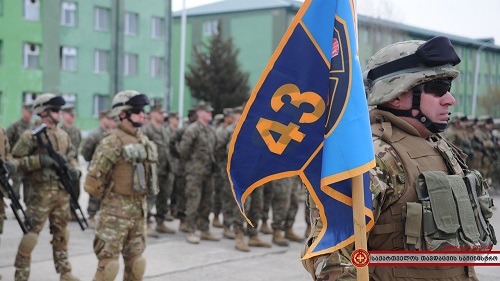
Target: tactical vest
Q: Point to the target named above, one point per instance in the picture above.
(400, 225)
(60, 142)
(134, 173)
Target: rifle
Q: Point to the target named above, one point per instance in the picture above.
(22, 219)
(63, 173)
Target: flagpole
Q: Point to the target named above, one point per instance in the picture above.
(358, 208)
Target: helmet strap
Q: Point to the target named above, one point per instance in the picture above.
(48, 114)
(415, 104)
(135, 124)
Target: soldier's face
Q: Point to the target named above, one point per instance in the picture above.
(436, 108)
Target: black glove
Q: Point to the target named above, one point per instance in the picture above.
(48, 162)
(74, 173)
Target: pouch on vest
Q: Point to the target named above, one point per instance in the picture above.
(135, 153)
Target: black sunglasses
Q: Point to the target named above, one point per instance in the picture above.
(438, 87)
(54, 109)
(136, 110)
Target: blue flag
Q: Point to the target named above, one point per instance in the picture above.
(308, 116)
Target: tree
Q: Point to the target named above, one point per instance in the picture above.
(215, 75)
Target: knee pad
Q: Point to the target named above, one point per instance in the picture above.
(60, 240)
(108, 269)
(28, 243)
(137, 267)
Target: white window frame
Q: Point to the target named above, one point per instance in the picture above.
(69, 58)
(130, 64)
(131, 23)
(70, 99)
(29, 97)
(210, 28)
(101, 24)
(68, 13)
(31, 50)
(98, 53)
(156, 67)
(31, 10)
(100, 102)
(157, 28)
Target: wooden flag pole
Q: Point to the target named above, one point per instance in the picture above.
(358, 208)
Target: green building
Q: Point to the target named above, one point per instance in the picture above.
(257, 27)
(86, 50)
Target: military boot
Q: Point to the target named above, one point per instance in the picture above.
(163, 228)
(217, 223)
(264, 228)
(91, 222)
(183, 226)
(255, 241)
(207, 235)
(290, 235)
(278, 239)
(240, 244)
(151, 232)
(191, 238)
(67, 276)
(228, 233)
(169, 217)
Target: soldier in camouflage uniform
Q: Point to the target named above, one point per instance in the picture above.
(412, 102)
(254, 204)
(123, 172)
(221, 121)
(158, 133)
(172, 120)
(75, 136)
(106, 124)
(457, 135)
(14, 131)
(197, 150)
(50, 200)
(485, 147)
(178, 205)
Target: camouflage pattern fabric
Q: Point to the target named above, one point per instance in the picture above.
(254, 205)
(5, 154)
(197, 149)
(14, 131)
(178, 202)
(161, 137)
(485, 151)
(268, 198)
(285, 202)
(87, 150)
(50, 200)
(76, 138)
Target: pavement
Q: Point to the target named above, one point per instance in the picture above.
(170, 257)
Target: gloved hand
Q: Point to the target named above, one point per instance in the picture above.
(11, 168)
(48, 162)
(74, 173)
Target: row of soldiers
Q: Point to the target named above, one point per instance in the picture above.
(139, 163)
(480, 140)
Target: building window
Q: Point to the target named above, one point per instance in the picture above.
(130, 64)
(31, 55)
(156, 27)
(101, 102)
(69, 58)
(101, 61)
(29, 97)
(210, 28)
(101, 20)
(131, 22)
(70, 100)
(68, 13)
(156, 67)
(31, 10)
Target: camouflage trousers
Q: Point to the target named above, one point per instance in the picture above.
(219, 182)
(52, 204)
(285, 203)
(254, 209)
(161, 200)
(199, 192)
(268, 197)
(178, 203)
(115, 235)
(2, 214)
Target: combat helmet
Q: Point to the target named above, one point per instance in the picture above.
(402, 66)
(125, 101)
(47, 101)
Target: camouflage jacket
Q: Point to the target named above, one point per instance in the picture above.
(197, 149)
(161, 137)
(223, 137)
(90, 143)
(74, 134)
(27, 151)
(15, 130)
(6, 156)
